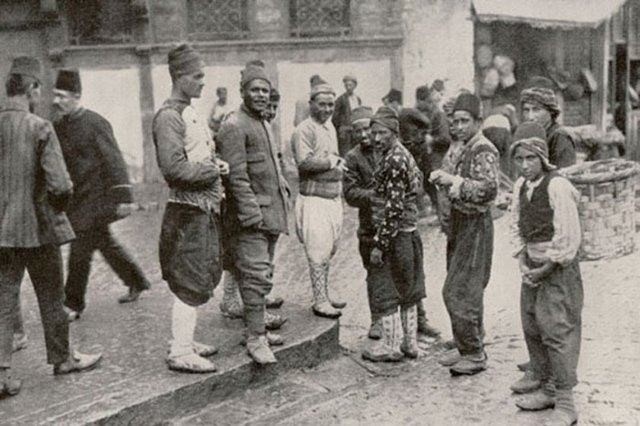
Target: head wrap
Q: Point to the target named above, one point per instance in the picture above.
(321, 88)
(251, 73)
(184, 60)
(387, 117)
(422, 93)
(531, 136)
(393, 95)
(274, 95)
(543, 97)
(361, 113)
(69, 80)
(349, 77)
(26, 65)
(411, 116)
(315, 80)
(497, 121)
(468, 102)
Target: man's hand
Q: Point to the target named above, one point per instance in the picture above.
(440, 177)
(223, 166)
(376, 257)
(342, 165)
(124, 209)
(536, 275)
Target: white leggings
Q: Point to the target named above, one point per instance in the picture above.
(183, 327)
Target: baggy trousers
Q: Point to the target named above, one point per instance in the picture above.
(114, 254)
(253, 251)
(399, 281)
(469, 253)
(190, 256)
(551, 319)
(44, 265)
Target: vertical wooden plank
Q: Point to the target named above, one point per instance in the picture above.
(600, 51)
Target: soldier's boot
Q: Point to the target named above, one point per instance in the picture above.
(423, 325)
(564, 413)
(386, 349)
(321, 305)
(527, 383)
(231, 305)
(542, 399)
(409, 346)
(337, 304)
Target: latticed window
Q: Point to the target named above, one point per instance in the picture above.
(100, 21)
(316, 18)
(217, 19)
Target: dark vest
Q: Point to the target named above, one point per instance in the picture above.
(536, 216)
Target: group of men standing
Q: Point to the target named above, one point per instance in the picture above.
(229, 202)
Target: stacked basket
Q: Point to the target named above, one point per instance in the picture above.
(607, 206)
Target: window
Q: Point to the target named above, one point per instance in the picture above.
(217, 19)
(100, 21)
(319, 18)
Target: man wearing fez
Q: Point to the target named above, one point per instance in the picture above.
(538, 103)
(414, 127)
(302, 105)
(341, 118)
(546, 238)
(393, 100)
(257, 201)
(34, 190)
(470, 180)
(319, 205)
(190, 257)
(361, 163)
(396, 255)
(102, 193)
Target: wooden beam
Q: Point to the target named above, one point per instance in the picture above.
(600, 46)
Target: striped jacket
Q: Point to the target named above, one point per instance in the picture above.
(34, 181)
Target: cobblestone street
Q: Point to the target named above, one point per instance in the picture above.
(349, 391)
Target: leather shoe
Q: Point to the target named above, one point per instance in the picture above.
(258, 349)
(77, 362)
(191, 363)
(326, 310)
(131, 296)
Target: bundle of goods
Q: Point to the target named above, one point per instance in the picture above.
(607, 206)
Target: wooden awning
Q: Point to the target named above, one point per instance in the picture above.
(563, 14)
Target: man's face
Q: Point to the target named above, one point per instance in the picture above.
(536, 112)
(464, 125)
(362, 133)
(413, 136)
(271, 111)
(528, 164)
(436, 96)
(350, 86)
(255, 95)
(64, 102)
(382, 136)
(321, 106)
(191, 84)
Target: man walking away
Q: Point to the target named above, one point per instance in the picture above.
(102, 194)
(34, 188)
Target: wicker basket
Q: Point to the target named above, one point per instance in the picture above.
(607, 206)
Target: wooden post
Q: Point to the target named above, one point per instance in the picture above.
(150, 170)
(600, 68)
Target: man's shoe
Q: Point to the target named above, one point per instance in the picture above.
(375, 330)
(380, 352)
(19, 342)
(131, 296)
(71, 314)
(326, 310)
(449, 358)
(258, 349)
(524, 366)
(191, 363)
(469, 365)
(527, 383)
(77, 362)
(8, 385)
(233, 311)
(273, 321)
(426, 330)
(273, 302)
(338, 304)
(535, 401)
(204, 350)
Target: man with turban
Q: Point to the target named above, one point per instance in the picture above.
(102, 193)
(319, 205)
(539, 104)
(396, 255)
(546, 237)
(470, 181)
(35, 188)
(341, 118)
(361, 163)
(257, 204)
